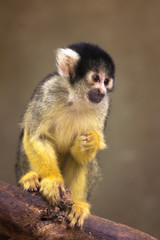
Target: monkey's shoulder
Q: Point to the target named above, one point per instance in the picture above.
(45, 83)
(48, 93)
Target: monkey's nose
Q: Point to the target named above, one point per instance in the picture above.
(95, 95)
(100, 90)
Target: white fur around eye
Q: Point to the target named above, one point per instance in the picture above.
(110, 85)
(66, 61)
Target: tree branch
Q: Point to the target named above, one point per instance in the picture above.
(25, 215)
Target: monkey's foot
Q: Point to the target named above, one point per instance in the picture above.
(53, 190)
(80, 211)
(30, 181)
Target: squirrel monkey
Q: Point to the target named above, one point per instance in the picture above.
(62, 128)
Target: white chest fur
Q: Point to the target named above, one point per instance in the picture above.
(72, 123)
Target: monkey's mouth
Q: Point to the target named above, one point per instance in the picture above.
(95, 96)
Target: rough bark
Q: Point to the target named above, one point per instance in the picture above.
(25, 215)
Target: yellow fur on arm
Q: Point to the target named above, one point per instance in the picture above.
(42, 157)
(43, 161)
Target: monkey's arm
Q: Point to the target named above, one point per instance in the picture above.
(43, 162)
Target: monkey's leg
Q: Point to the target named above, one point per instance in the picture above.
(75, 176)
(83, 151)
(43, 161)
(86, 146)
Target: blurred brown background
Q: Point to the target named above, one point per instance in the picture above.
(130, 32)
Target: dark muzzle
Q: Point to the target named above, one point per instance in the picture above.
(95, 96)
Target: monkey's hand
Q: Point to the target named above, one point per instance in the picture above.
(52, 189)
(80, 210)
(86, 146)
(30, 181)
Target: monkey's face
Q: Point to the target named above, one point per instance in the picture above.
(89, 71)
(99, 84)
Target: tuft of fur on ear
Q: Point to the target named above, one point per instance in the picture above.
(67, 59)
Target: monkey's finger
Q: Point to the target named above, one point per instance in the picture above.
(87, 138)
(54, 199)
(62, 190)
(30, 189)
(32, 185)
(70, 216)
(72, 221)
(88, 133)
(33, 189)
(84, 138)
(80, 220)
(88, 145)
(90, 138)
(57, 196)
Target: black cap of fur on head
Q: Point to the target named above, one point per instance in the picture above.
(92, 58)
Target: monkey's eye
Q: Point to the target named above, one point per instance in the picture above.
(95, 78)
(106, 81)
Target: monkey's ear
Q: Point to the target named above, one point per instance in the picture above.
(67, 59)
